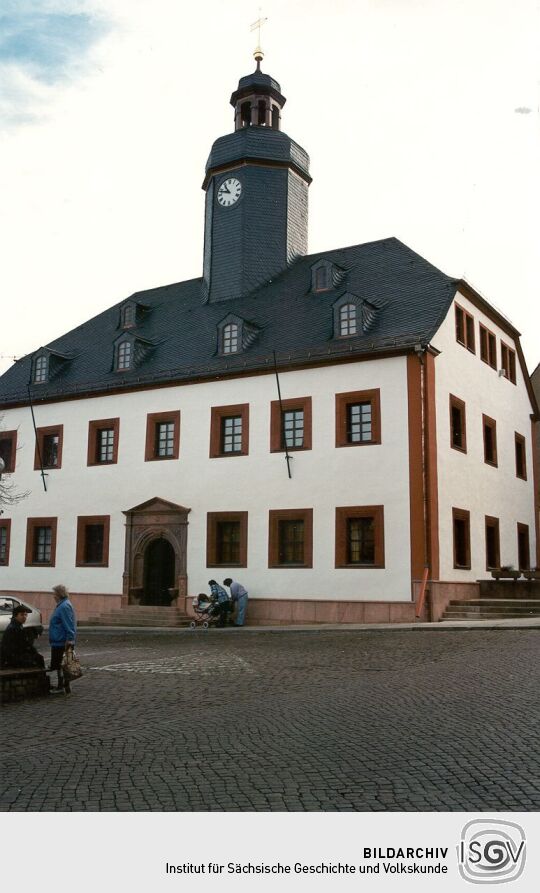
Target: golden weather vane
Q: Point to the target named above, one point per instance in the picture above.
(258, 54)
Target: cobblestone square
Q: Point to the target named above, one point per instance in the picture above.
(308, 720)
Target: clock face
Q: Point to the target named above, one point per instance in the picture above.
(229, 192)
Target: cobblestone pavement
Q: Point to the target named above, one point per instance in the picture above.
(318, 720)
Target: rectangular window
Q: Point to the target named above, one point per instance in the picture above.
(360, 536)
(228, 542)
(8, 447)
(162, 436)
(358, 418)
(508, 362)
(231, 434)
(229, 430)
(103, 437)
(5, 530)
(490, 440)
(524, 554)
(164, 445)
(360, 540)
(359, 427)
(458, 427)
(93, 541)
(290, 542)
(290, 424)
(41, 550)
(41, 542)
(462, 538)
(488, 347)
(49, 447)
(105, 445)
(465, 328)
(521, 460)
(493, 560)
(51, 443)
(226, 539)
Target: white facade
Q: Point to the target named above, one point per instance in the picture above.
(465, 480)
(323, 478)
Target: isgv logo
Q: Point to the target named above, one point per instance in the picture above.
(491, 851)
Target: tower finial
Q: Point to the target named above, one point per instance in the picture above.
(258, 55)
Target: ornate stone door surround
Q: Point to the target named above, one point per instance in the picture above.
(145, 522)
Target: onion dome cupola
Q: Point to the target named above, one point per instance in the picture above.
(256, 187)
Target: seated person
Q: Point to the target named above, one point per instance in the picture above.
(17, 651)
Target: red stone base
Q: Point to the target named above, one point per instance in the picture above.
(440, 593)
(261, 611)
(286, 611)
(86, 604)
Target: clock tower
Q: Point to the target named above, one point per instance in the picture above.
(256, 187)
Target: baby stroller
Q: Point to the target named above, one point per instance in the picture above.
(208, 612)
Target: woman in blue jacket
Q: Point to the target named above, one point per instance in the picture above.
(62, 632)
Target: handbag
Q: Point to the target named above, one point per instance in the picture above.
(71, 665)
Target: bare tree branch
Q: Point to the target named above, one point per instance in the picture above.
(9, 493)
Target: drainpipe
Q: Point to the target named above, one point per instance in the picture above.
(420, 351)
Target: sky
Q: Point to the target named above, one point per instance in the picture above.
(421, 118)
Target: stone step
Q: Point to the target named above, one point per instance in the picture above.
(132, 621)
(139, 615)
(467, 615)
(500, 602)
(523, 610)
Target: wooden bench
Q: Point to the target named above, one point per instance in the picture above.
(20, 683)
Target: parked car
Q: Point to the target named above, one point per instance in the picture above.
(34, 622)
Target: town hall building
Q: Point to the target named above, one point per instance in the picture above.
(338, 431)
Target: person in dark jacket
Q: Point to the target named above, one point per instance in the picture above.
(17, 650)
(221, 597)
(62, 633)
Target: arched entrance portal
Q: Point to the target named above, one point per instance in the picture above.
(158, 574)
(155, 571)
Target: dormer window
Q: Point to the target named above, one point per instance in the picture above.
(325, 275)
(321, 279)
(235, 334)
(230, 338)
(130, 351)
(347, 319)
(41, 369)
(132, 314)
(353, 316)
(128, 316)
(124, 355)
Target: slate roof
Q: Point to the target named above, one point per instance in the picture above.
(410, 297)
(258, 78)
(257, 142)
(261, 83)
